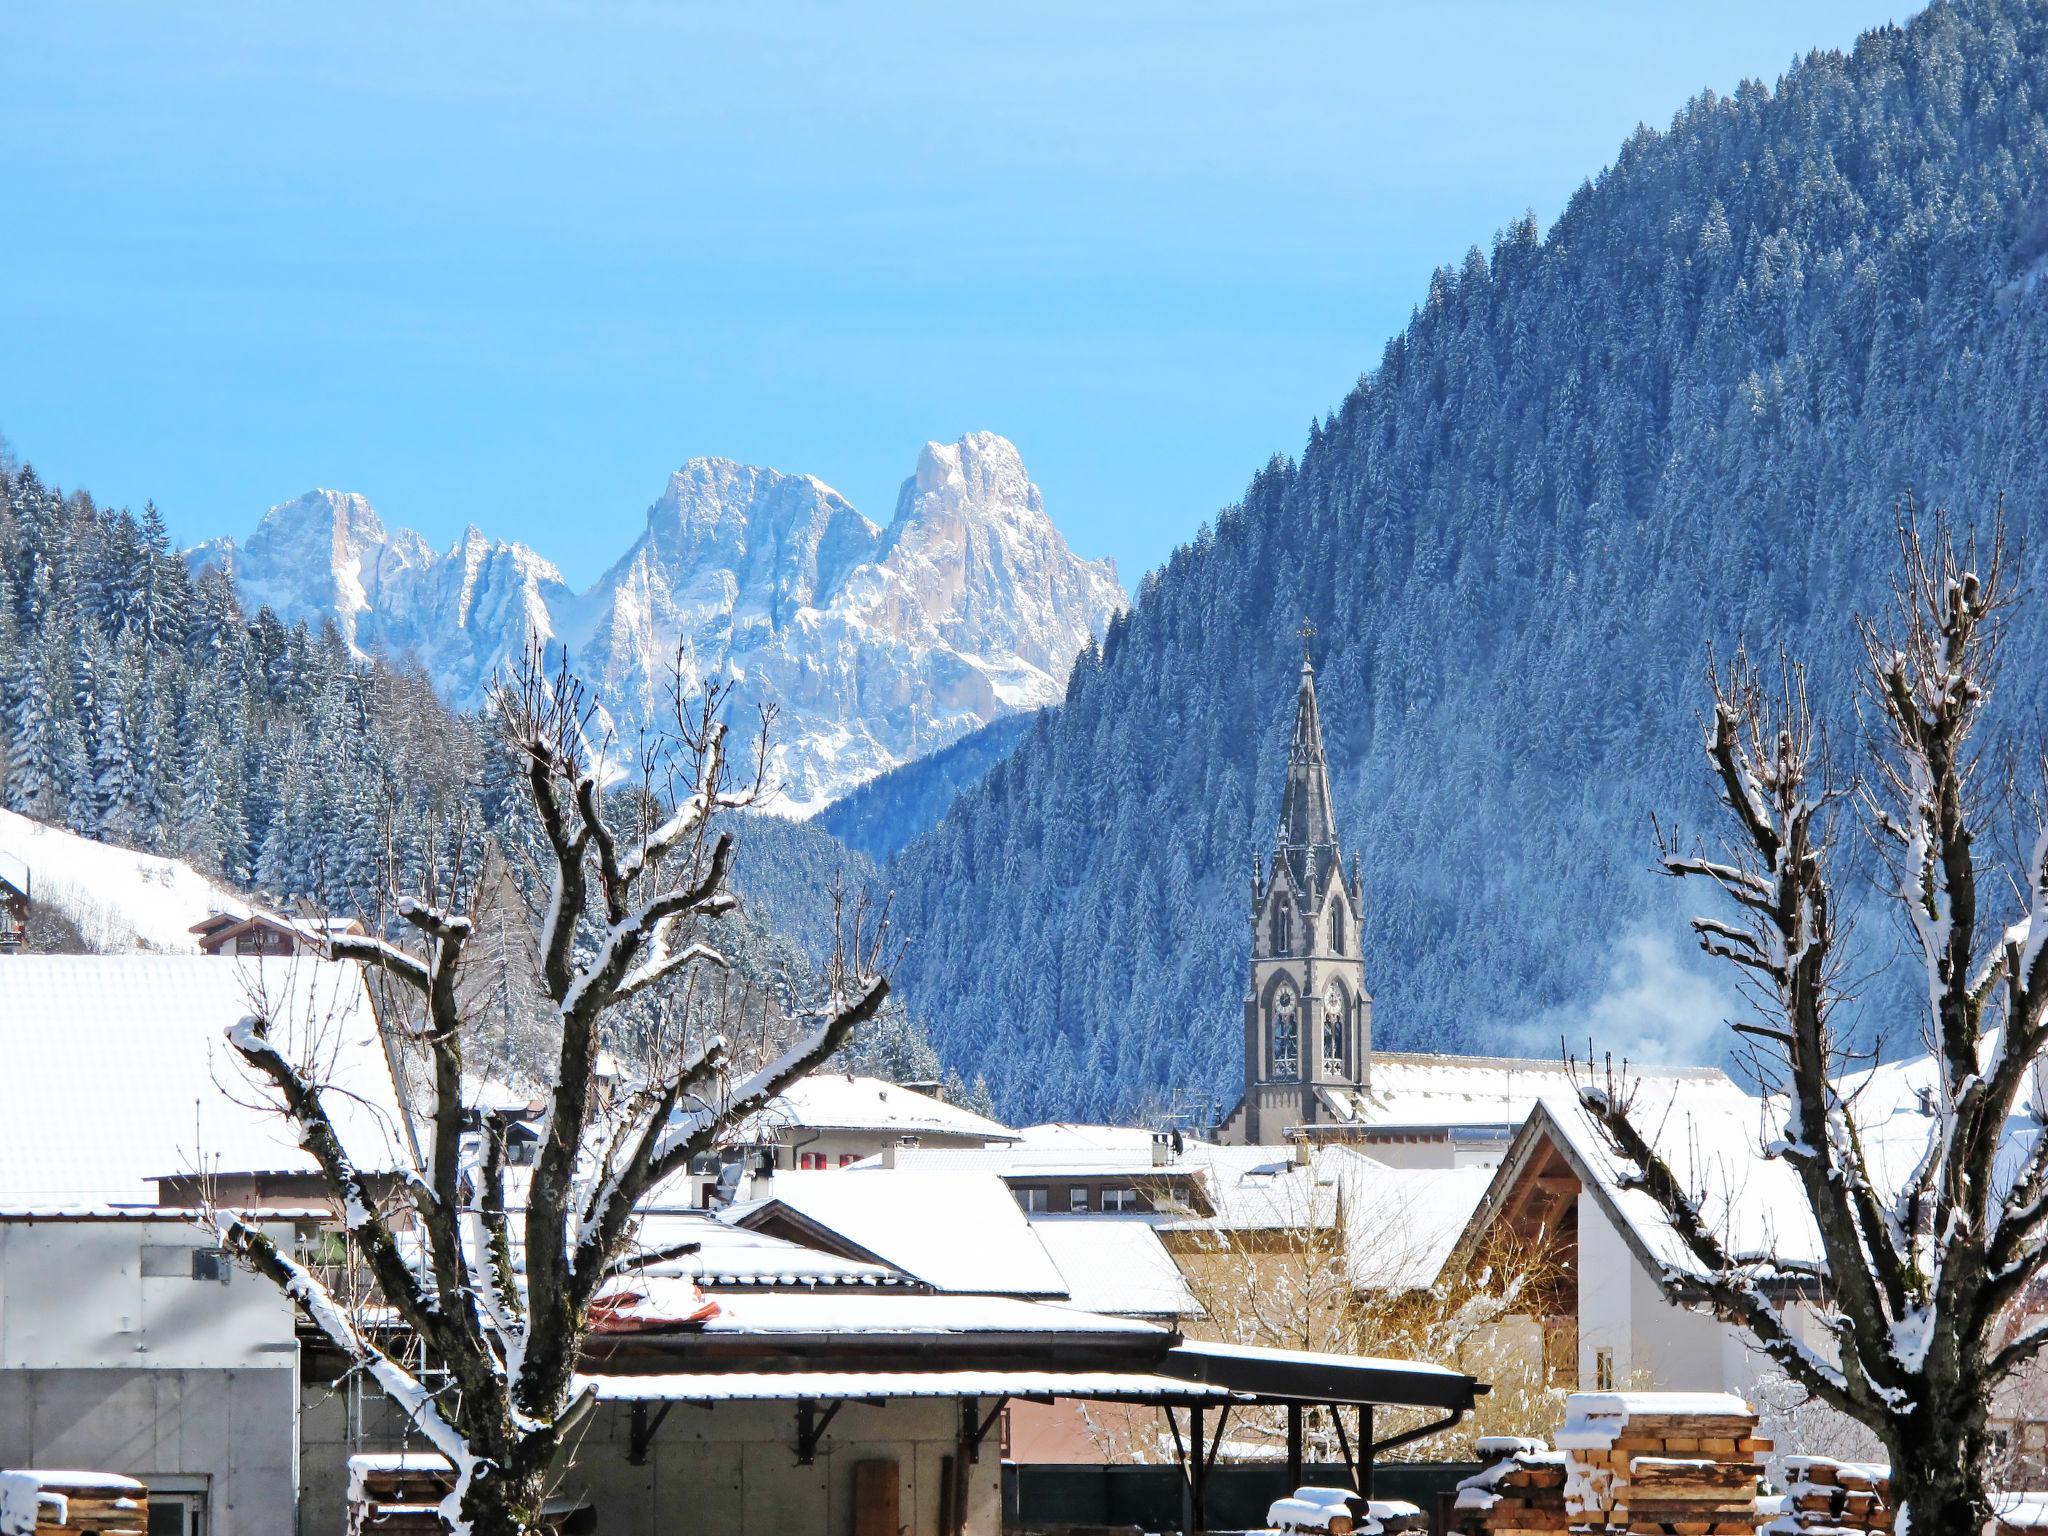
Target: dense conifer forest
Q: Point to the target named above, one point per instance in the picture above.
(141, 706)
(1685, 413)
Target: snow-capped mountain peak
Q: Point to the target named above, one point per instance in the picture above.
(873, 646)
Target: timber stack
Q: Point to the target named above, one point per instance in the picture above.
(1659, 1463)
(1521, 1492)
(1822, 1494)
(77, 1503)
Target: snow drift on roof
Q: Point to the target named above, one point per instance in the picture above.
(119, 1070)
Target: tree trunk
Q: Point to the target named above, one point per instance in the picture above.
(1939, 1461)
(499, 1505)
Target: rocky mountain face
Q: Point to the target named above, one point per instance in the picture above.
(873, 645)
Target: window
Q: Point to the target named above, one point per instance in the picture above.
(1333, 1029)
(1283, 925)
(178, 1509)
(1286, 1035)
(1120, 1200)
(1603, 1370)
(1337, 930)
(1031, 1199)
(1077, 1198)
(848, 1158)
(522, 1151)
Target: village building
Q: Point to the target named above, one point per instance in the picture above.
(259, 935)
(1605, 1321)
(15, 887)
(870, 1367)
(128, 1342)
(833, 1119)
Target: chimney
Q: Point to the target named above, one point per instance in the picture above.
(1162, 1149)
(1304, 1152)
(890, 1149)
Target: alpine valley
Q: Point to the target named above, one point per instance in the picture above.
(874, 646)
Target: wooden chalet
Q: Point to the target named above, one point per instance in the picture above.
(14, 903)
(265, 935)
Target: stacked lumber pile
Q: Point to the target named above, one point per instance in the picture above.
(1822, 1494)
(1521, 1492)
(81, 1503)
(397, 1495)
(1340, 1512)
(1662, 1462)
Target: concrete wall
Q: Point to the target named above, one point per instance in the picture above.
(724, 1471)
(227, 1433)
(732, 1471)
(121, 1294)
(113, 1358)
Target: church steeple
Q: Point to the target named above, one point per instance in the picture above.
(1308, 822)
(1307, 1014)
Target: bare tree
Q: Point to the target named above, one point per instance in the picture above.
(1919, 1272)
(499, 1298)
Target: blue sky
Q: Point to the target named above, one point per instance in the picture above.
(510, 264)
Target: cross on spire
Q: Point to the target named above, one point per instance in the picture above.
(1307, 633)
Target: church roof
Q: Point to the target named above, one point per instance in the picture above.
(1308, 820)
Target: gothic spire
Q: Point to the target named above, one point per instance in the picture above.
(1308, 825)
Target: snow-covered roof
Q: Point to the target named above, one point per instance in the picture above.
(879, 1311)
(119, 1071)
(1061, 1135)
(1891, 1104)
(1431, 1089)
(730, 1257)
(1030, 1160)
(1400, 1224)
(959, 1232)
(120, 899)
(829, 1386)
(1711, 1134)
(840, 1101)
(31, 1215)
(1116, 1264)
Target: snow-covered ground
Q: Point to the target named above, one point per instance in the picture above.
(119, 899)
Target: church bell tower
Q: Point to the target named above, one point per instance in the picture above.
(1307, 1014)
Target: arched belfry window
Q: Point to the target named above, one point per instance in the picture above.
(1336, 922)
(1286, 1035)
(1333, 1029)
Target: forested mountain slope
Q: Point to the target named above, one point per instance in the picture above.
(877, 818)
(1685, 413)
